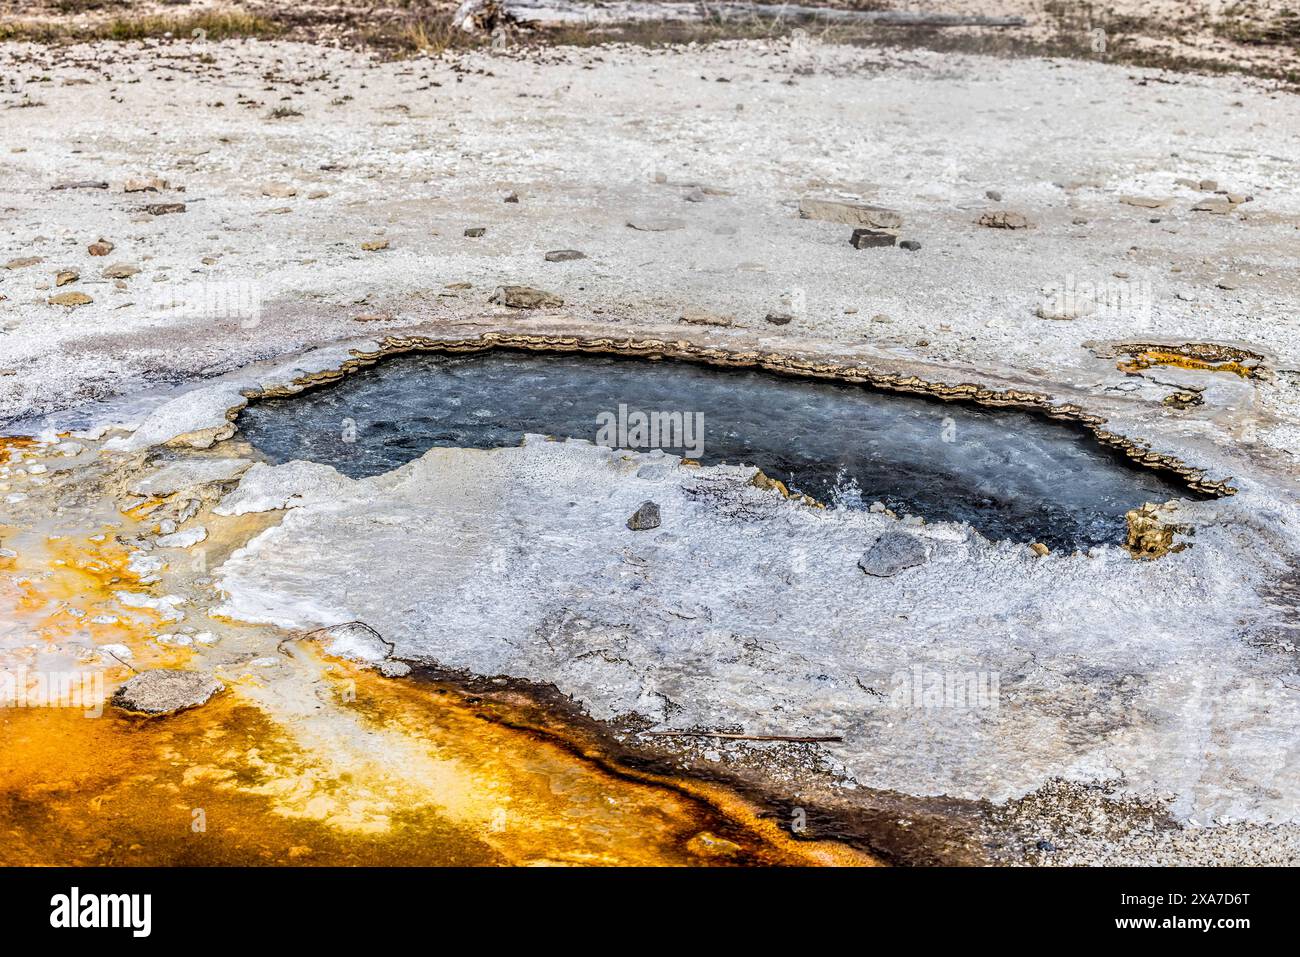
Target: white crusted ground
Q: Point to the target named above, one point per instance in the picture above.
(1176, 678)
(748, 610)
(419, 150)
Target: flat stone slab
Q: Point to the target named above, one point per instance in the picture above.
(892, 553)
(849, 214)
(526, 297)
(166, 691)
(186, 473)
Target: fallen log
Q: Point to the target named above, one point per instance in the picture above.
(485, 15)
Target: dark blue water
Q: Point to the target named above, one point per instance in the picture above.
(1008, 474)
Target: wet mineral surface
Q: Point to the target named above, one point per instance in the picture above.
(1008, 474)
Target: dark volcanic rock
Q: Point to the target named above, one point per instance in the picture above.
(868, 238)
(644, 518)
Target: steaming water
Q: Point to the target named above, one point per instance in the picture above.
(1008, 474)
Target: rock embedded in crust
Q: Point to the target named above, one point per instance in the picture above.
(268, 488)
(146, 184)
(70, 299)
(564, 255)
(101, 247)
(119, 271)
(1144, 202)
(181, 474)
(162, 209)
(699, 317)
(1066, 308)
(65, 276)
(892, 553)
(849, 214)
(1220, 207)
(525, 297)
(1003, 219)
(474, 232)
(166, 691)
(353, 640)
(644, 518)
(183, 539)
(357, 641)
(82, 184)
(779, 318)
(871, 238)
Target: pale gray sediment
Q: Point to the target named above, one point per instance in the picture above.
(1146, 710)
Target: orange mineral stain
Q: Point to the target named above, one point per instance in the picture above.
(1154, 357)
(306, 759)
(441, 782)
(67, 590)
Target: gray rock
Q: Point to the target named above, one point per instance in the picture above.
(525, 297)
(892, 553)
(911, 245)
(1220, 207)
(849, 214)
(1004, 220)
(1065, 309)
(1144, 202)
(181, 474)
(644, 518)
(166, 691)
(994, 195)
(779, 318)
(564, 255)
(82, 184)
(869, 238)
(474, 232)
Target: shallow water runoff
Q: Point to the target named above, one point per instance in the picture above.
(1009, 474)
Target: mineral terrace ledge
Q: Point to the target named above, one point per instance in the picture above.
(781, 363)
